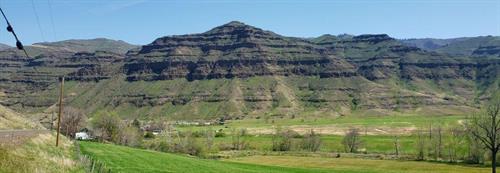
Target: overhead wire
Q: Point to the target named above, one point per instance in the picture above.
(52, 21)
(19, 45)
(37, 19)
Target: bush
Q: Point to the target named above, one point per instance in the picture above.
(311, 141)
(282, 140)
(106, 125)
(198, 134)
(351, 141)
(239, 139)
(220, 134)
(149, 135)
(129, 136)
(193, 147)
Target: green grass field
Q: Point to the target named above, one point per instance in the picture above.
(370, 122)
(125, 159)
(360, 165)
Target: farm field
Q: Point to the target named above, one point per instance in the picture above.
(125, 159)
(359, 165)
(371, 124)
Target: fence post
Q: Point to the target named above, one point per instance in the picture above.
(92, 167)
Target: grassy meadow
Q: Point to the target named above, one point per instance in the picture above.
(126, 159)
(359, 165)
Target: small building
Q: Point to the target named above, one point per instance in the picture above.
(82, 136)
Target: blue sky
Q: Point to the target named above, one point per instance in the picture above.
(141, 21)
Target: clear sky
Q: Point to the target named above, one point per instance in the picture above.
(141, 21)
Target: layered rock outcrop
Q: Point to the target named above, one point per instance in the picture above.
(236, 70)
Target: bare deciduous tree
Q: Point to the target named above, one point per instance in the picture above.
(420, 144)
(351, 140)
(456, 139)
(129, 135)
(311, 141)
(485, 127)
(238, 139)
(475, 150)
(437, 141)
(210, 135)
(74, 120)
(396, 145)
(282, 139)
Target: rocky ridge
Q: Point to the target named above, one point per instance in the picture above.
(236, 70)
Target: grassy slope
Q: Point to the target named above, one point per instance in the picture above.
(125, 159)
(39, 155)
(12, 120)
(359, 165)
(282, 97)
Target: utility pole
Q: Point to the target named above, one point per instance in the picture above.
(60, 110)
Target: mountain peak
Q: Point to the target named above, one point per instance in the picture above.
(235, 23)
(235, 27)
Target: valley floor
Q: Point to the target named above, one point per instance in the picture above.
(125, 159)
(359, 165)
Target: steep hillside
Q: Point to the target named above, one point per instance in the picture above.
(232, 50)
(4, 46)
(39, 154)
(240, 71)
(13, 120)
(21, 78)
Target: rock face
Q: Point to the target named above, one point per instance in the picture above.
(22, 78)
(239, 71)
(229, 51)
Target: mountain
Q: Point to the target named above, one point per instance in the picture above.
(22, 78)
(229, 51)
(485, 45)
(4, 46)
(90, 45)
(430, 43)
(239, 71)
(465, 46)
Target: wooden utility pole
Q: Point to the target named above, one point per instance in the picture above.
(60, 110)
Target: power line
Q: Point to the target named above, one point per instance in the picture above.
(52, 20)
(19, 45)
(37, 20)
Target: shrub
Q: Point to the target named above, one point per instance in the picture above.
(351, 140)
(149, 135)
(239, 139)
(220, 134)
(311, 141)
(282, 140)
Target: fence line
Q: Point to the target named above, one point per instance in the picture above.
(91, 165)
